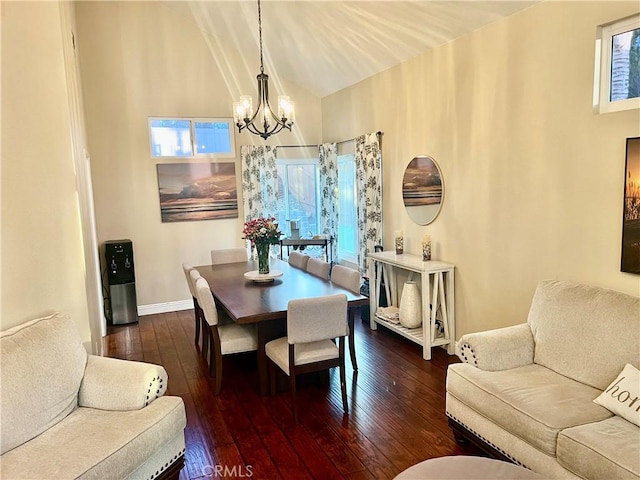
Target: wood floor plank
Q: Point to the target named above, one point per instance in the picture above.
(396, 408)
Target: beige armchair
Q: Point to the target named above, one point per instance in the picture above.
(66, 414)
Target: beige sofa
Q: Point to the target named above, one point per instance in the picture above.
(65, 414)
(525, 393)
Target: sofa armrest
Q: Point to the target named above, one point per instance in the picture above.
(113, 384)
(499, 349)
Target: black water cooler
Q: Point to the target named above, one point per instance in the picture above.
(122, 281)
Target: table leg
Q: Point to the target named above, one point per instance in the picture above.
(352, 344)
(267, 331)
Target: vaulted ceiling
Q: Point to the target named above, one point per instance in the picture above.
(325, 46)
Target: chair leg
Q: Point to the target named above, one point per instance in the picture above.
(292, 386)
(343, 380)
(292, 382)
(215, 358)
(197, 317)
(272, 378)
(352, 344)
(206, 338)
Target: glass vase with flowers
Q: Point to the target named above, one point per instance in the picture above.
(262, 232)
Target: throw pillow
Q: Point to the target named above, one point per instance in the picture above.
(622, 396)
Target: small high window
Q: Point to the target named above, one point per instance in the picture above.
(192, 137)
(617, 69)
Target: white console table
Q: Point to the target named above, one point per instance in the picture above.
(437, 290)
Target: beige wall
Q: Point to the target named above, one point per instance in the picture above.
(141, 59)
(42, 256)
(533, 178)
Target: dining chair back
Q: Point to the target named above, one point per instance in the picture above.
(312, 325)
(197, 313)
(346, 277)
(223, 339)
(319, 268)
(298, 260)
(228, 255)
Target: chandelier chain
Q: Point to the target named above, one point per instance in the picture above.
(260, 34)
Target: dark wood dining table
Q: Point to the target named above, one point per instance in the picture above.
(265, 304)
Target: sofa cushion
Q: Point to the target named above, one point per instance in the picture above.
(531, 402)
(583, 332)
(605, 449)
(622, 397)
(97, 444)
(42, 366)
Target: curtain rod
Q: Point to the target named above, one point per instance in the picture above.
(378, 133)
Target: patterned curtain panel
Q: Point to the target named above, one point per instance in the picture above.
(259, 181)
(259, 184)
(368, 160)
(329, 194)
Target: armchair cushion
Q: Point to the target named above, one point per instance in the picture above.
(605, 449)
(101, 444)
(600, 327)
(113, 384)
(51, 351)
(499, 349)
(532, 402)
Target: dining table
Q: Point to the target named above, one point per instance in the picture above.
(265, 303)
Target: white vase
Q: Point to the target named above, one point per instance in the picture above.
(410, 306)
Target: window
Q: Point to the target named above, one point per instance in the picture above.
(298, 199)
(297, 195)
(617, 69)
(191, 137)
(347, 209)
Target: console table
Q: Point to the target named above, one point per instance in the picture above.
(304, 242)
(437, 290)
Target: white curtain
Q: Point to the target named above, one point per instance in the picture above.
(259, 181)
(329, 194)
(368, 161)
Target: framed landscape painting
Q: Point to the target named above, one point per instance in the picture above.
(197, 191)
(631, 220)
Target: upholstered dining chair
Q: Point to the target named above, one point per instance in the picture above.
(350, 279)
(298, 260)
(346, 277)
(228, 255)
(319, 268)
(196, 307)
(312, 324)
(223, 339)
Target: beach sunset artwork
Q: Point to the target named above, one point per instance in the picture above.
(421, 184)
(197, 191)
(630, 261)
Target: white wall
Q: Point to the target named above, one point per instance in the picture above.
(533, 178)
(43, 266)
(141, 59)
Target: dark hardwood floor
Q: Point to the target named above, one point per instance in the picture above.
(396, 403)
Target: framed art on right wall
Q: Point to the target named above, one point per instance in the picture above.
(630, 261)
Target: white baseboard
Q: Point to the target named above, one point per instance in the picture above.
(165, 307)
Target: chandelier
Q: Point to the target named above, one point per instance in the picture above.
(263, 122)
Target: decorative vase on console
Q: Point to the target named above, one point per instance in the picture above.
(410, 306)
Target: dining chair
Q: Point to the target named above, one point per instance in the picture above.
(350, 279)
(196, 307)
(298, 260)
(312, 324)
(223, 339)
(319, 268)
(346, 277)
(228, 255)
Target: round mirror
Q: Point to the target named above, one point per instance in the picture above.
(422, 190)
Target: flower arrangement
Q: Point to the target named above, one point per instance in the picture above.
(262, 230)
